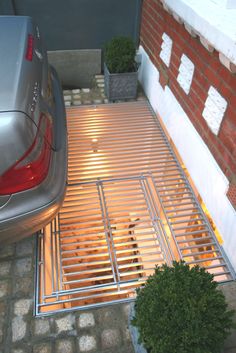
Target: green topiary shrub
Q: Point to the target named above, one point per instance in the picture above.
(180, 310)
(119, 55)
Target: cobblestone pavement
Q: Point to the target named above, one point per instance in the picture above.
(103, 330)
(94, 95)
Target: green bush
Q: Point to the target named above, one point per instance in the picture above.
(180, 310)
(119, 55)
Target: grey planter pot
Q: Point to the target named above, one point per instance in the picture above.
(121, 85)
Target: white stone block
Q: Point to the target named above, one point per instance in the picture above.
(41, 326)
(166, 49)
(76, 91)
(110, 338)
(166, 7)
(77, 102)
(64, 346)
(187, 62)
(214, 110)
(87, 343)
(67, 98)
(206, 44)
(76, 96)
(190, 30)
(65, 323)
(5, 268)
(100, 80)
(3, 288)
(186, 71)
(86, 320)
(166, 38)
(97, 101)
(18, 328)
(22, 306)
(227, 63)
(99, 76)
(218, 100)
(23, 266)
(177, 18)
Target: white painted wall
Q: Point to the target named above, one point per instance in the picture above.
(205, 172)
(214, 20)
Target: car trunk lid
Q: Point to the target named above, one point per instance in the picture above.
(22, 63)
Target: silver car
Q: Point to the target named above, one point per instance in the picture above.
(33, 145)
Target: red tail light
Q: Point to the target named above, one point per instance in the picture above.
(33, 166)
(30, 48)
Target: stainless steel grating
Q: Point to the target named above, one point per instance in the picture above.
(128, 207)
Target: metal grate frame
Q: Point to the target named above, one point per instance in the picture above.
(128, 207)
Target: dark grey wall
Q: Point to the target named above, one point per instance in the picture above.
(80, 24)
(7, 7)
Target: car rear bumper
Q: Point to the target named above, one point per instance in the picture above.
(26, 212)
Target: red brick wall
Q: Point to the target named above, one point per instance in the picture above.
(208, 72)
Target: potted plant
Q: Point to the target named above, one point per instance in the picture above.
(181, 310)
(120, 69)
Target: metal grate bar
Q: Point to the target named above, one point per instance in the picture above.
(128, 207)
